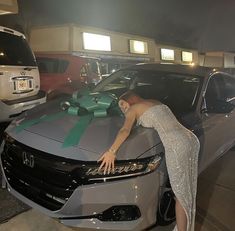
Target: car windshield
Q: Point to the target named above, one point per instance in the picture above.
(14, 50)
(178, 91)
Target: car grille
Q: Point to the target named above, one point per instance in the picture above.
(49, 180)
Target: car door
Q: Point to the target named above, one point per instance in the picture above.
(217, 120)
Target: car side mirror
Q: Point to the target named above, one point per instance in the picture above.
(220, 107)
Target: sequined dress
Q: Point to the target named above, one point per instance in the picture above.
(181, 152)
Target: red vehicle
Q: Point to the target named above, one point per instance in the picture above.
(65, 73)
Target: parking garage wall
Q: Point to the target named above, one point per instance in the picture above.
(69, 38)
(8, 7)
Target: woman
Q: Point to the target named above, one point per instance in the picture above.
(181, 151)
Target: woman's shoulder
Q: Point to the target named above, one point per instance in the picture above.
(134, 109)
(141, 107)
(154, 101)
(137, 106)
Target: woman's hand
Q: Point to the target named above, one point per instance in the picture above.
(107, 163)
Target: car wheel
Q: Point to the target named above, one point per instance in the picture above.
(166, 208)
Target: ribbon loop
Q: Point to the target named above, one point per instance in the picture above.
(96, 103)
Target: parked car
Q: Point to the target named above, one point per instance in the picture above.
(64, 73)
(65, 182)
(19, 76)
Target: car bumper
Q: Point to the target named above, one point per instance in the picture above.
(88, 200)
(11, 109)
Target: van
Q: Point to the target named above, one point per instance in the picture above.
(63, 73)
(19, 76)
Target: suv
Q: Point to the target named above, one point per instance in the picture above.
(63, 181)
(65, 73)
(19, 76)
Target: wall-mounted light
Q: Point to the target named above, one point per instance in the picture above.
(167, 54)
(138, 47)
(96, 42)
(187, 56)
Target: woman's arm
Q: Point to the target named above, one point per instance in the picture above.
(124, 132)
(109, 156)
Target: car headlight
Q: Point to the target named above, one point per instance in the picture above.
(124, 169)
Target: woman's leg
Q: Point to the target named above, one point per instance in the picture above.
(181, 218)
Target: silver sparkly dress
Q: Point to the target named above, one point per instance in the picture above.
(181, 152)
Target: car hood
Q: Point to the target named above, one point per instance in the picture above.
(96, 139)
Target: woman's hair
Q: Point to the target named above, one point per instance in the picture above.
(130, 96)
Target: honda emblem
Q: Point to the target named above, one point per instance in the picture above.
(28, 159)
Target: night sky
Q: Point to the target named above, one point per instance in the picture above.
(199, 24)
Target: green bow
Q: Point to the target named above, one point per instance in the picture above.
(96, 103)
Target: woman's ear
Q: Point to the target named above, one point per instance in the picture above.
(124, 106)
(121, 103)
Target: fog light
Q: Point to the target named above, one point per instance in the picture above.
(120, 213)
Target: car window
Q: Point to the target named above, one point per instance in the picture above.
(83, 71)
(178, 91)
(14, 50)
(94, 66)
(84, 74)
(229, 88)
(117, 83)
(52, 65)
(214, 90)
(219, 92)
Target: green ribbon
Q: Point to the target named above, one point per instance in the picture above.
(29, 123)
(77, 131)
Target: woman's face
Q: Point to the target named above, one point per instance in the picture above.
(124, 106)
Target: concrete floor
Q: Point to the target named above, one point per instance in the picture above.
(215, 201)
(216, 196)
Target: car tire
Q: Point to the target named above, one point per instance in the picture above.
(166, 208)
